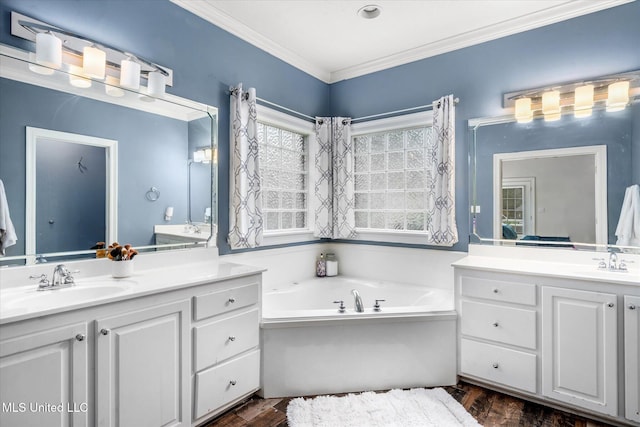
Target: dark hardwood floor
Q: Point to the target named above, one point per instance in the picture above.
(489, 407)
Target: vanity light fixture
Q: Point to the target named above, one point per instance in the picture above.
(77, 79)
(56, 47)
(48, 50)
(524, 113)
(618, 96)
(583, 101)
(94, 62)
(613, 91)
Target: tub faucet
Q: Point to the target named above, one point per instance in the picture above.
(358, 301)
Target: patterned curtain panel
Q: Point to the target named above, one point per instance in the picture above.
(333, 192)
(441, 183)
(245, 210)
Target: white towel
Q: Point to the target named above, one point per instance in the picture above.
(628, 230)
(7, 232)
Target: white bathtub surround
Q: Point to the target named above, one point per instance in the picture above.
(415, 407)
(309, 347)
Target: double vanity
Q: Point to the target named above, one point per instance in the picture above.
(174, 344)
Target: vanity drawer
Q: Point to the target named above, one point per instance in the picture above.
(508, 325)
(222, 384)
(226, 338)
(501, 365)
(497, 290)
(223, 301)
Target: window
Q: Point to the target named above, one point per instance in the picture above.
(391, 176)
(283, 148)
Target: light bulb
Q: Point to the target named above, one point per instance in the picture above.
(551, 102)
(618, 96)
(583, 101)
(523, 110)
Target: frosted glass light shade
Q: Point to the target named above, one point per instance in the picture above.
(37, 68)
(94, 62)
(523, 110)
(112, 87)
(618, 96)
(76, 79)
(198, 156)
(583, 101)
(130, 74)
(156, 84)
(551, 102)
(48, 50)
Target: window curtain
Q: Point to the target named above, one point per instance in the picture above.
(245, 208)
(333, 192)
(441, 184)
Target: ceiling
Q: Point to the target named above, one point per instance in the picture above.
(327, 38)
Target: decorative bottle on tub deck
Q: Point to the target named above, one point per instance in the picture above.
(321, 266)
(332, 265)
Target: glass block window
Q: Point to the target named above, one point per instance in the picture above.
(284, 170)
(391, 173)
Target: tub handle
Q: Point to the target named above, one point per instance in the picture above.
(342, 308)
(376, 306)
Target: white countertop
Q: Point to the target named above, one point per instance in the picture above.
(572, 267)
(143, 282)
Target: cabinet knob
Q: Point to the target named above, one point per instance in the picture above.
(232, 300)
(232, 382)
(80, 337)
(495, 366)
(104, 331)
(495, 290)
(610, 305)
(496, 324)
(632, 307)
(232, 338)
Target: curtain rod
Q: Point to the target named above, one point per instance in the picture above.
(425, 107)
(264, 101)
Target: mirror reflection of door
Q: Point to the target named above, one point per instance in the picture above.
(70, 196)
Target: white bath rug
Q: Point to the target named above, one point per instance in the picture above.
(397, 408)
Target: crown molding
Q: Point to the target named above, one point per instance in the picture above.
(571, 9)
(210, 13)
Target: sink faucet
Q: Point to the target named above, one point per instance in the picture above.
(61, 278)
(358, 301)
(613, 261)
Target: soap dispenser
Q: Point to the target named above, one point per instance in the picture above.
(321, 266)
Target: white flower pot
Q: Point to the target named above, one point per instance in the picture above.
(121, 269)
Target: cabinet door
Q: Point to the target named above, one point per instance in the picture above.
(632, 357)
(44, 378)
(579, 348)
(143, 368)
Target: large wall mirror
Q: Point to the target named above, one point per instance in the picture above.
(553, 184)
(80, 166)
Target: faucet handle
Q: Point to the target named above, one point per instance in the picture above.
(342, 308)
(376, 306)
(42, 277)
(601, 265)
(623, 264)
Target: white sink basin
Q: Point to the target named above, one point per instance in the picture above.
(75, 294)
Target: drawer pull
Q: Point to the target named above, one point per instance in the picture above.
(232, 300)
(496, 324)
(232, 382)
(495, 290)
(232, 338)
(80, 337)
(495, 366)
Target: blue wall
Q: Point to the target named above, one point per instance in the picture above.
(206, 60)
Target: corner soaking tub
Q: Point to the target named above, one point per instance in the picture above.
(309, 347)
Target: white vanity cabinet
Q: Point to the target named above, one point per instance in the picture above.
(142, 367)
(562, 341)
(579, 348)
(632, 357)
(226, 351)
(44, 378)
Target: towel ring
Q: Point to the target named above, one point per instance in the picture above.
(153, 194)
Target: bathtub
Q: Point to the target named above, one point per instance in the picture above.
(309, 347)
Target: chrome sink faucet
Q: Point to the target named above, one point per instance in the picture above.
(613, 261)
(359, 307)
(614, 264)
(61, 278)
